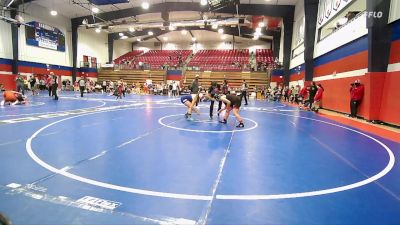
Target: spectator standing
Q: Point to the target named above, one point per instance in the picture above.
(313, 91)
(296, 92)
(318, 98)
(174, 89)
(194, 89)
(356, 96)
(82, 85)
(104, 85)
(49, 81)
(302, 96)
(20, 84)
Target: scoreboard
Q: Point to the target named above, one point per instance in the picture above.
(45, 36)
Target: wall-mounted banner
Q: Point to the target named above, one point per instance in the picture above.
(45, 36)
(327, 9)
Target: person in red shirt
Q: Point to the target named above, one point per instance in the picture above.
(318, 98)
(356, 96)
(303, 95)
(49, 81)
(12, 98)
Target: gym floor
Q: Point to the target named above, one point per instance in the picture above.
(95, 160)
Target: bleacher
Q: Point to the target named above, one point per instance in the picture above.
(212, 65)
(235, 79)
(128, 57)
(264, 55)
(133, 76)
(220, 60)
(157, 58)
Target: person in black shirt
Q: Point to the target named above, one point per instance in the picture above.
(54, 87)
(312, 91)
(232, 103)
(211, 91)
(32, 82)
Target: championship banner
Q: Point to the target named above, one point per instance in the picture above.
(45, 36)
(174, 74)
(328, 9)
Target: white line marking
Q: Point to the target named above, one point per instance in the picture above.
(99, 155)
(51, 133)
(294, 124)
(394, 67)
(377, 176)
(386, 170)
(10, 142)
(44, 113)
(30, 152)
(65, 168)
(203, 220)
(13, 185)
(160, 121)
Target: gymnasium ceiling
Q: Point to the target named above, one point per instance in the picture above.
(70, 10)
(117, 18)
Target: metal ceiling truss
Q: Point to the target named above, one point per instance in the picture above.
(166, 7)
(245, 31)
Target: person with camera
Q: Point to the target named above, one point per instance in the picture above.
(356, 96)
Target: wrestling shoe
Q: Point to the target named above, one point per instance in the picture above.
(223, 121)
(240, 125)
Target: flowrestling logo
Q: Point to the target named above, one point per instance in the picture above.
(374, 14)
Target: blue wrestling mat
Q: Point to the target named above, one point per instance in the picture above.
(96, 160)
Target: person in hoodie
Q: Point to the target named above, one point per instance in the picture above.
(318, 98)
(356, 96)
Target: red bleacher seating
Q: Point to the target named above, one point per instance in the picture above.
(264, 55)
(157, 58)
(224, 60)
(213, 60)
(128, 57)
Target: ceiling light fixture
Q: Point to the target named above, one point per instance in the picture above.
(203, 2)
(145, 5)
(10, 3)
(124, 37)
(214, 26)
(98, 30)
(19, 18)
(150, 33)
(138, 39)
(131, 29)
(121, 34)
(95, 10)
(220, 30)
(53, 12)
